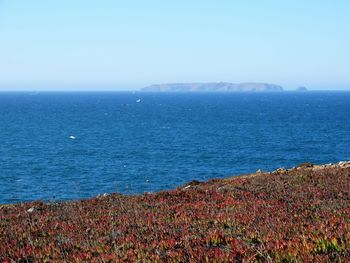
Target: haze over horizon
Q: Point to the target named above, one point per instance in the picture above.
(109, 45)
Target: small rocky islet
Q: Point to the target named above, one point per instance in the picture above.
(300, 214)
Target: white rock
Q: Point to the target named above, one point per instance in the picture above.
(31, 210)
(344, 164)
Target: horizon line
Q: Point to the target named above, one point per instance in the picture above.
(140, 90)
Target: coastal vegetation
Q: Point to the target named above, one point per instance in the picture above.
(289, 215)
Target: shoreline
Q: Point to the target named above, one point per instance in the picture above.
(297, 214)
(188, 185)
(307, 165)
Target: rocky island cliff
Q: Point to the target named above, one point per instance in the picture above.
(213, 87)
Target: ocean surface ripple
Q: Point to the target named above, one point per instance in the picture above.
(63, 146)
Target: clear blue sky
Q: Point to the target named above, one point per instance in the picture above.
(105, 44)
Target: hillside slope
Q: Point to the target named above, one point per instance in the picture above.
(298, 214)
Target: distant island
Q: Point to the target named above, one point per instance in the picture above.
(214, 87)
(301, 88)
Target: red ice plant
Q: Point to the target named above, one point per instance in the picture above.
(299, 215)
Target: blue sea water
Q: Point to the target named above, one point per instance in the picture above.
(62, 146)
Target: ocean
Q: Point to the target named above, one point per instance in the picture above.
(76, 145)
